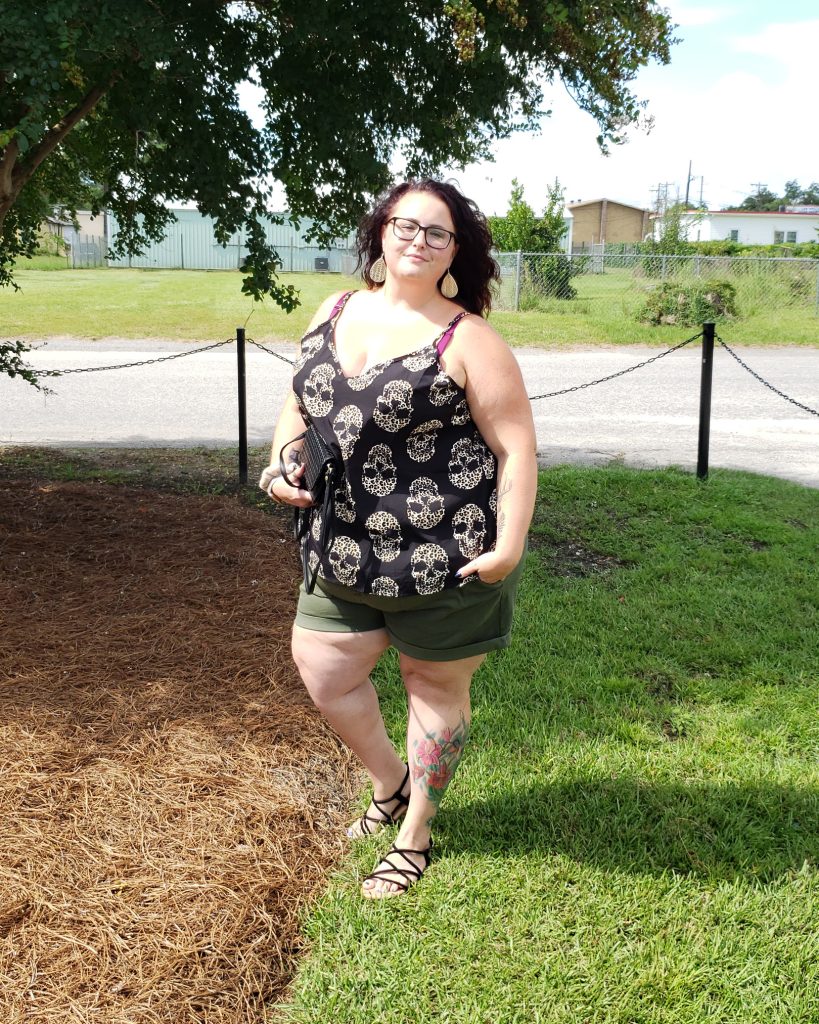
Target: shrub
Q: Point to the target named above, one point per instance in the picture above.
(50, 245)
(689, 305)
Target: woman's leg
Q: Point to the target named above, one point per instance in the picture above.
(437, 730)
(335, 668)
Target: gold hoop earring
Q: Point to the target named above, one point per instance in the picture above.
(449, 286)
(378, 271)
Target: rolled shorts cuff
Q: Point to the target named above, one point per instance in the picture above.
(450, 653)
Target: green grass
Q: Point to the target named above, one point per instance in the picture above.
(633, 836)
(208, 305)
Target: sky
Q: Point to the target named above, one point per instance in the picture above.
(738, 100)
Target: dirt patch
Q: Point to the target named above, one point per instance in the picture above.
(170, 801)
(570, 559)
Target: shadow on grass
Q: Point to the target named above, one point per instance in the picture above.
(723, 831)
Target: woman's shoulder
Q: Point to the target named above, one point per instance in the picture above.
(475, 332)
(325, 310)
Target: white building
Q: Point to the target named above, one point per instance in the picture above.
(751, 227)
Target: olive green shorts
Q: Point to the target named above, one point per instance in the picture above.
(458, 622)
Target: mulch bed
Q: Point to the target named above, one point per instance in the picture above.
(170, 802)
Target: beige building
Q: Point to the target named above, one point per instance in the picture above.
(598, 221)
(93, 227)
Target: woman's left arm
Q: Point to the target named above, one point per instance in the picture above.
(502, 412)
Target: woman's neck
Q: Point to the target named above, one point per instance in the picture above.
(403, 297)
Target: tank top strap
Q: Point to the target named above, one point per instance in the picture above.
(342, 302)
(446, 337)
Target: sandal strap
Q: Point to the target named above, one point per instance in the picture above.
(397, 798)
(411, 873)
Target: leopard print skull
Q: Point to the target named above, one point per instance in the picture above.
(421, 442)
(347, 425)
(461, 415)
(313, 562)
(420, 360)
(345, 507)
(310, 344)
(385, 533)
(429, 566)
(318, 390)
(345, 560)
(466, 464)
(443, 390)
(383, 586)
(469, 529)
(379, 471)
(425, 506)
(393, 407)
(363, 380)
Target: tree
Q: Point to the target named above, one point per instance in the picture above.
(793, 195)
(124, 104)
(521, 230)
(515, 230)
(546, 272)
(675, 224)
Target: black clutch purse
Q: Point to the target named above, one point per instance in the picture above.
(323, 472)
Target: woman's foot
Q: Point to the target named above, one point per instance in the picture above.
(383, 811)
(403, 866)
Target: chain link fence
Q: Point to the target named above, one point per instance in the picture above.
(619, 283)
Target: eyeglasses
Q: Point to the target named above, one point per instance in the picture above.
(406, 230)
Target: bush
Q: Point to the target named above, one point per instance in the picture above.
(50, 245)
(689, 305)
(550, 276)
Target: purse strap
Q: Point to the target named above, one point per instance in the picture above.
(326, 534)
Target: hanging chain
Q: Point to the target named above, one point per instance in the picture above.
(776, 391)
(269, 351)
(532, 398)
(611, 376)
(144, 362)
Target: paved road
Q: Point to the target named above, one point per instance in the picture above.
(646, 419)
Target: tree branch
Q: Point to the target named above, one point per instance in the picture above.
(55, 135)
(7, 161)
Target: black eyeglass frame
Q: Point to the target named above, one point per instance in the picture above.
(423, 227)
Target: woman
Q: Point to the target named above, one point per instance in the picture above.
(427, 405)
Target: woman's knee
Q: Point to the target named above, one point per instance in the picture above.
(333, 664)
(447, 678)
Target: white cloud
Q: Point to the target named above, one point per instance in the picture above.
(792, 43)
(692, 17)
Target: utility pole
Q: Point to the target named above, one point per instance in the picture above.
(688, 181)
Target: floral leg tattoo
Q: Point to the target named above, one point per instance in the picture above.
(436, 757)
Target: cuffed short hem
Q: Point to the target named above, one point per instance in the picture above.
(450, 653)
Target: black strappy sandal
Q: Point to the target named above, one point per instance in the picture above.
(411, 873)
(370, 825)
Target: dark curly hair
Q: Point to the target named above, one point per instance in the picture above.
(473, 267)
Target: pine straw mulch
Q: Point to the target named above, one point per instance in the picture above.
(170, 802)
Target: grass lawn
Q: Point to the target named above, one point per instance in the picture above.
(193, 305)
(633, 836)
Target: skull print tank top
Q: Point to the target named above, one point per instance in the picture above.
(419, 497)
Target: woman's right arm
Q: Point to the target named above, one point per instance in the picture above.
(290, 424)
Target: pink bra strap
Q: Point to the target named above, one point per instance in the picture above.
(446, 337)
(342, 302)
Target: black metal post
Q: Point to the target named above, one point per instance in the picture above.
(705, 399)
(240, 366)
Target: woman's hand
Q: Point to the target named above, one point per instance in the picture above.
(283, 494)
(489, 568)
